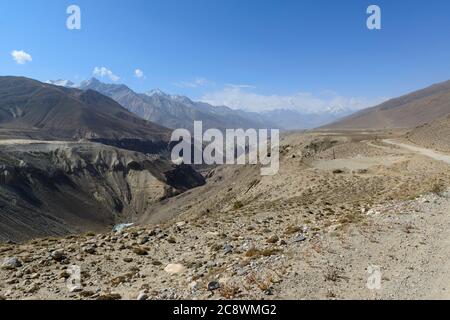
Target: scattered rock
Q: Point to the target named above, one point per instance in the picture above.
(273, 239)
(213, 285)
(34, 276)
(175, 269)
(122, 226)
(140, 251)
(74, 289)
(212, 234)
(180, 224)
(109, 297)
(156, 263)
(127, 260)
(58, 255)
(142, 296)
(89, 250)
(299, 238)
(172, 240)
(227, 249)
(11, 263)
(87, 293)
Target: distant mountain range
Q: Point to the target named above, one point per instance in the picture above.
(291, 120)
(175, 111)
(408, 111)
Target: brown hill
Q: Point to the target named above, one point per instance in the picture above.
(435, 135)
(71, 183)
(407, 111)
(31, 109)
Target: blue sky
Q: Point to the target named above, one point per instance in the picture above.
(236, 52)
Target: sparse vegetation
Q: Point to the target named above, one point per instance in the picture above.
(438, 188)
(238, 205)
(255, 253)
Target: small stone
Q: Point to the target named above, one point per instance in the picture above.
(12, 281)
(33, 288)
(174, 269)
(227, 249)
(273, 239)
(140, 251)
(74, 289)
(193, 286)
(89, 250)
(212, 234)
(156, 263)
(58, 255)
(142, 296)
(122, 226)
(299, 238)
(172, 240)
(180, 224)
(213, 285)
(11, 263)
(128, 260)
(109, 296)
(87, 293)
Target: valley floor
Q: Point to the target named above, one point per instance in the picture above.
(342, 208)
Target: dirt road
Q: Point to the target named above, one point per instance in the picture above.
(424, 151)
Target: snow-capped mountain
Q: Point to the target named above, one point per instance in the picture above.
(174, 111)
(62, 83)
(177, 111)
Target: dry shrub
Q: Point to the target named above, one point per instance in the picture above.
(255, 253)
(229, 291)
(238, 205)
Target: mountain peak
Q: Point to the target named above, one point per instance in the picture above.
(91, 81)
(61, 83)
(156, 92)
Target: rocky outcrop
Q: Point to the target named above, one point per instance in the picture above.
(61, 188)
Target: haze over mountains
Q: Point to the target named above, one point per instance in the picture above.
(408, 111)
(176, 111)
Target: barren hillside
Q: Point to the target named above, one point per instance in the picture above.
(435, 135)
(408, 111)
(60, 188)
(31, 109)
(340, 205)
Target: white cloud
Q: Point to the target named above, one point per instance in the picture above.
(196, 83)
(241, 97)
(21, 57)
(105, 72)
(240, 86)
(138, 73)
